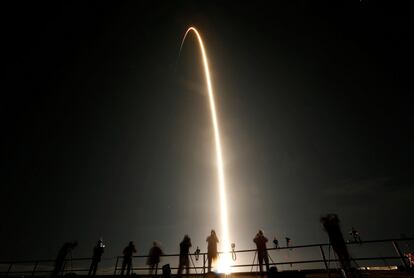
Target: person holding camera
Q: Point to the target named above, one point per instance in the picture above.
(96, 257)
(184, 260)
(262, 255)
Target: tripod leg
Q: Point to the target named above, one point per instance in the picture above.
(254, 258)
(195, 269)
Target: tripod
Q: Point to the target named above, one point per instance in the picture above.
(266, 262)
(192, 262)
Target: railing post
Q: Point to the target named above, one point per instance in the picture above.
(116, 265)
(204, 263)
(400, 254)
(34, 268)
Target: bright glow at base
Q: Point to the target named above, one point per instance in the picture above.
(224, 262)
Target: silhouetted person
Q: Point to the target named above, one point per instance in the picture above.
(355, 235)
(60, 259)
(330, 223)
(276, 242)
(96, 257)
(261, 241)
(212, 253)
(287, 241)
(154, 257)
(127, 262)
(184, 260)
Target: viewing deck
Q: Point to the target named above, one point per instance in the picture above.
(373, 258)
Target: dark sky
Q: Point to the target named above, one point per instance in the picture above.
(106, 133)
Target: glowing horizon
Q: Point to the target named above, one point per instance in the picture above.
(223, 264)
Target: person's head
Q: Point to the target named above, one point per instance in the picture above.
(213, 233)
(186, 238)
(260, 233)
(131, 243)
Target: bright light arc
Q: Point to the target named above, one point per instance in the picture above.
(224, 261)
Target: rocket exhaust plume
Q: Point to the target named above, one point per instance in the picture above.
(224, 260)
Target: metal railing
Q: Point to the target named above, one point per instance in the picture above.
(299, 257)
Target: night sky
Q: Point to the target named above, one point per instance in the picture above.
(105, 132)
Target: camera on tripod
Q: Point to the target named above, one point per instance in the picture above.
(197, 253)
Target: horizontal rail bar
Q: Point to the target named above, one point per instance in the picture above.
(16, 264)
(236, 251)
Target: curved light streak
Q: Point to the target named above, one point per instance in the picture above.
(224, 261)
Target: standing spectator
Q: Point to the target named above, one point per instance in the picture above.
(276, 242)
(60, 259)
(154, 257)
(261, 241)
(330, 222)
(184, 258)
(212, 253)
(287, 241)
(355, 235)
(96, 258)
(127, 262)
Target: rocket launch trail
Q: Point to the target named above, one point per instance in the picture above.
(223, 265)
